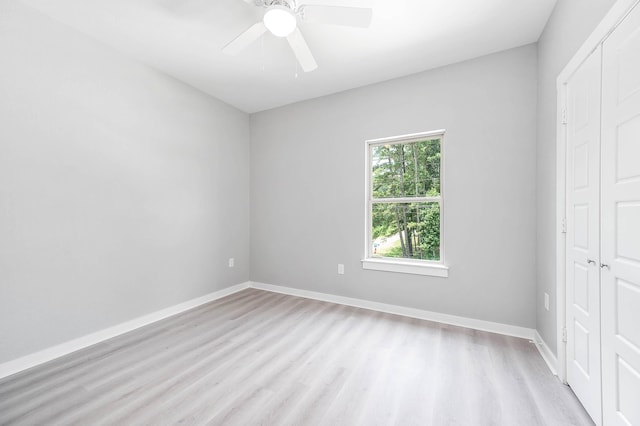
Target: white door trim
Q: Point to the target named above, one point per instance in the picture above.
(612, 19)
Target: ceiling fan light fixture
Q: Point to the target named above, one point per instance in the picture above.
(279, 20)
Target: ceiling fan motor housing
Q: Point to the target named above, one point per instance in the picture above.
(289, 4)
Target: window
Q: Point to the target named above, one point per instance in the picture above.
(404, 204)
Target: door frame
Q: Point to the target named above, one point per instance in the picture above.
(612, 19)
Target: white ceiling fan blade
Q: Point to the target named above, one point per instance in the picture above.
(301, 50)
(239, 43)
(337, 15)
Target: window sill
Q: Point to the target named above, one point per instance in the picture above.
(406, 267)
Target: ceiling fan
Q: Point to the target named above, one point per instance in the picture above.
(281, 19)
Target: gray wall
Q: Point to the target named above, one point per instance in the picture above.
(570, 24)
(122, 191)
(307, 188)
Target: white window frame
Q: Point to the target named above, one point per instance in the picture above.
(402, 265)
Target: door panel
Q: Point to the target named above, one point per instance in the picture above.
(581, 288)
(628, 222)
(620, 210)
(583, 233)
(628, 408)
(628, 151)
(627, 303)
(581, 225)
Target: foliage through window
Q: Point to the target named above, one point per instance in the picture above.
(405, 197)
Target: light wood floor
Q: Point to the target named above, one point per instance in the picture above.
(265, 358)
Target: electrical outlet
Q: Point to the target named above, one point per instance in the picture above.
(231, 262)
(340, 269)
(546, 301)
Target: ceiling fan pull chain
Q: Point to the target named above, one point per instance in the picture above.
(262, 52)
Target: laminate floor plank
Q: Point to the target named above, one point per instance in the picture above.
(98, 359)
(41, 374)
(325, 375)
(367, 367)
(262, 358)
(117, 410)
(273, 361)
(225, 385)
(133, 360)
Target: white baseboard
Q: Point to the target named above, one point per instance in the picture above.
(31, 360)
(40, 357)
(546, 353)
(493, 327)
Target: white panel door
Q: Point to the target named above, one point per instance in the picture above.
(583, 234)
(621, 224)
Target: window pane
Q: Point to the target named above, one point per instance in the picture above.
(406, 169)
(406, 230)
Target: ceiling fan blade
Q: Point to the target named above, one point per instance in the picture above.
(239, 43)
(337, 15)
(301, 50)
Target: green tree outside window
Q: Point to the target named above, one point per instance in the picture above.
(405, 199)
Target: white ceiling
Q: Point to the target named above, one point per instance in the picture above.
(184, 38)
